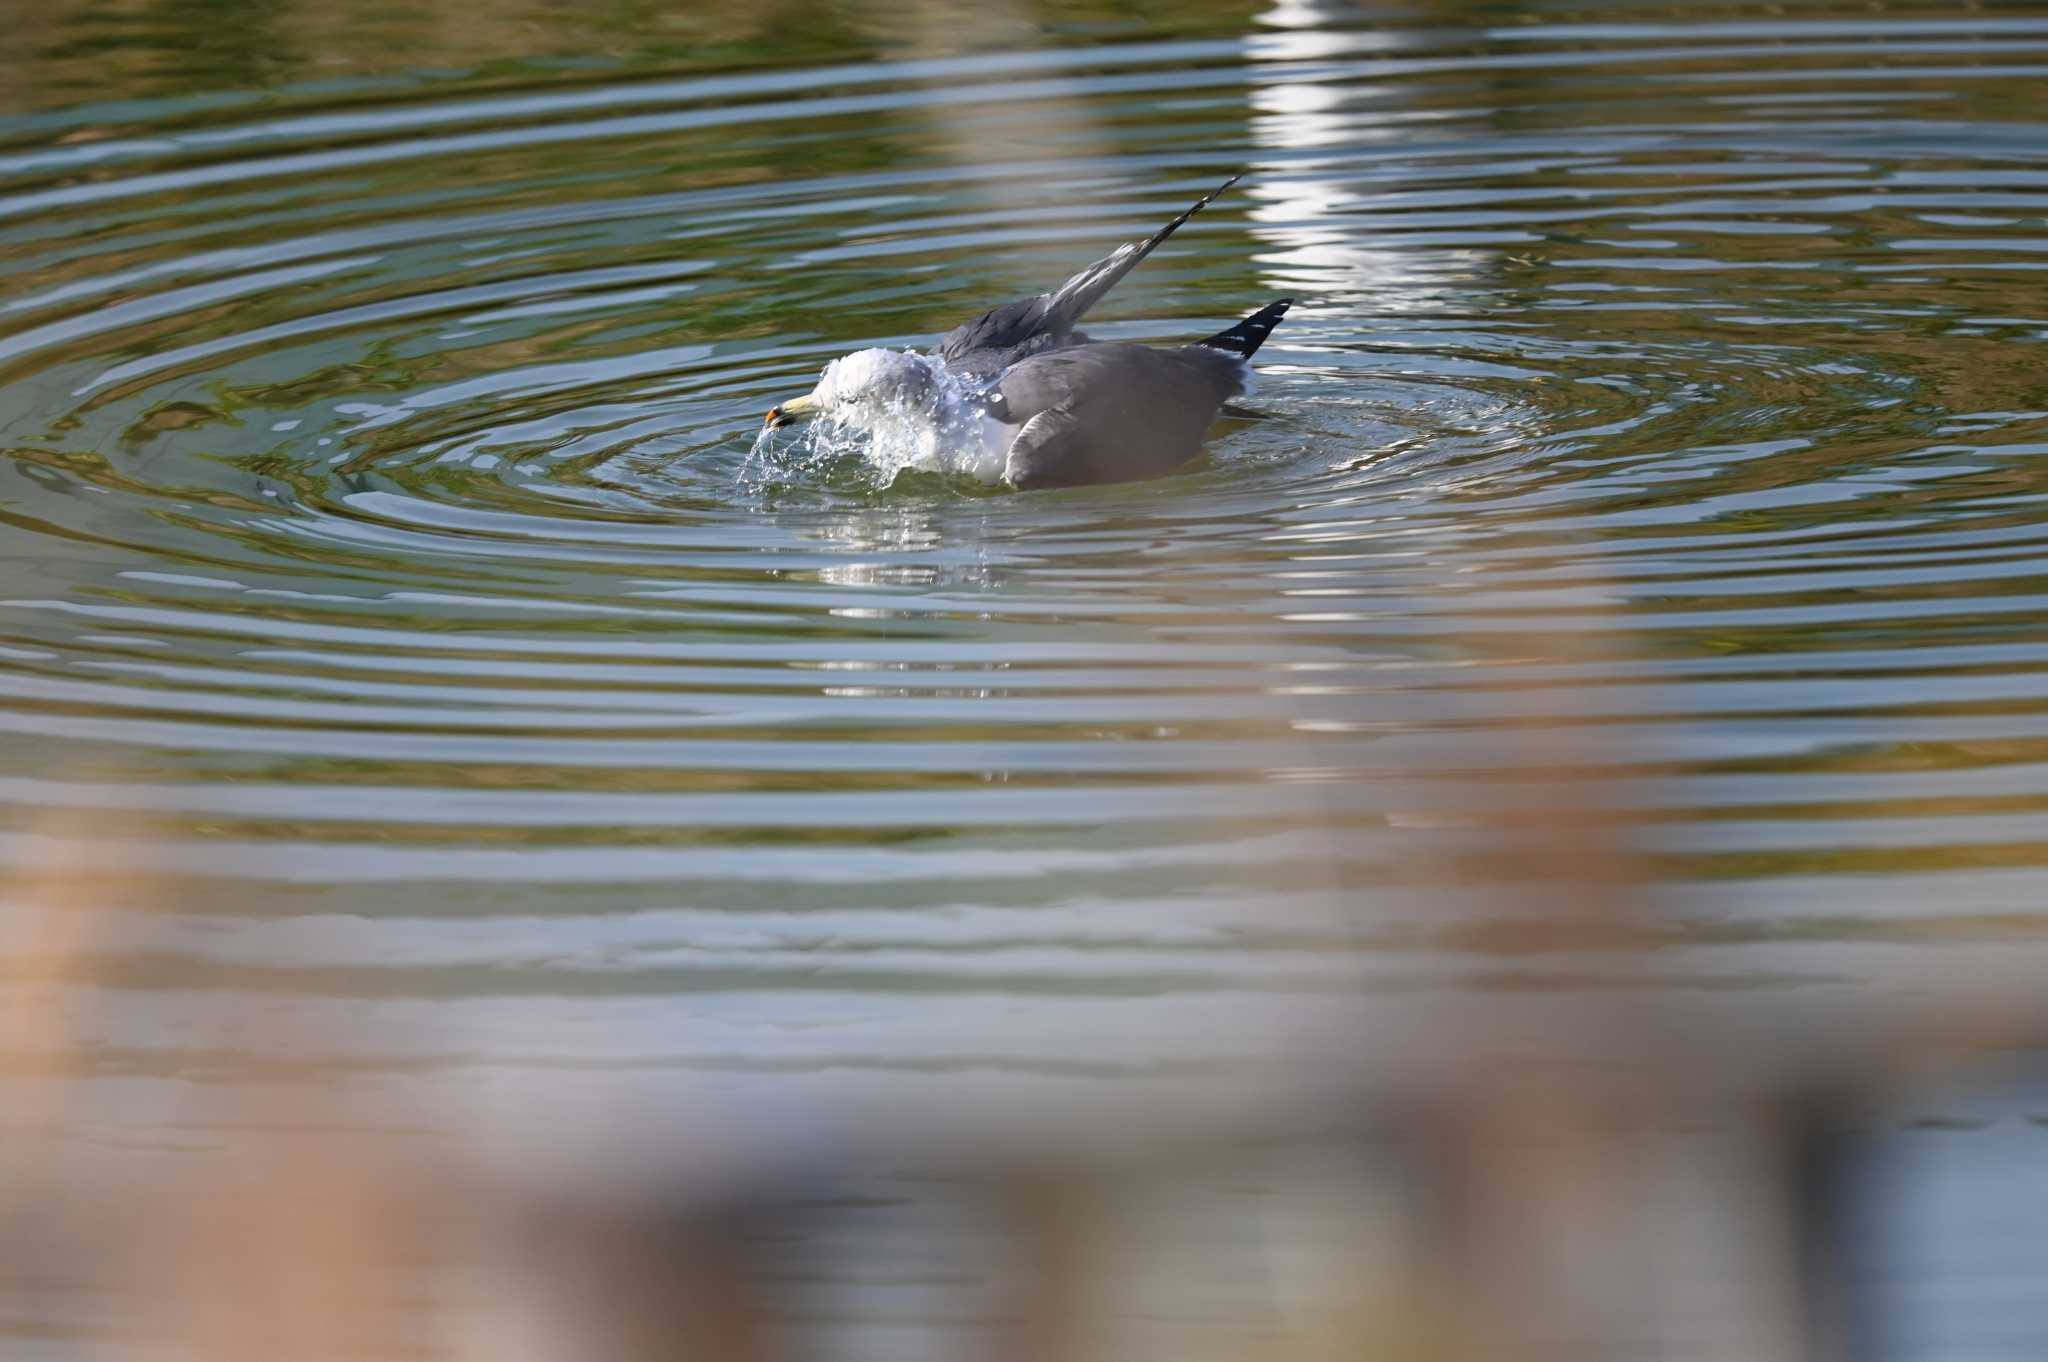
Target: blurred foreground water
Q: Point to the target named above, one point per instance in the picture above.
(1547, 825)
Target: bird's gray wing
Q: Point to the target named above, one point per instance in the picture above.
(1051, 440)
(1003, 335)
(1108, 413)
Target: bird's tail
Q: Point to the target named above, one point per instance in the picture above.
(1244, 339)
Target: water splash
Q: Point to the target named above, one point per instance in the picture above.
(939, 429)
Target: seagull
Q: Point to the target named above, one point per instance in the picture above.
(1018, 394)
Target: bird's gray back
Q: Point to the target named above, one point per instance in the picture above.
(1111, 412)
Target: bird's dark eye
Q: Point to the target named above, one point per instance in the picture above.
(996, 405)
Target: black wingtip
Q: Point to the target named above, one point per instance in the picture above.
(1145, 247)
(1078, 294)
(1196, 207)
(1245, 338)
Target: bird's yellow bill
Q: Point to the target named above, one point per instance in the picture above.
(789, 411)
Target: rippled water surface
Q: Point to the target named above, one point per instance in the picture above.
(403, 655)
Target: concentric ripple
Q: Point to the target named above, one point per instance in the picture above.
(397, 635)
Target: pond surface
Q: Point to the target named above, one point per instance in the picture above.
(407, 661)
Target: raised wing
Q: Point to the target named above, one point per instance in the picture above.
(1003, 335)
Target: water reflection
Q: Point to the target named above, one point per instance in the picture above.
(1616, 642)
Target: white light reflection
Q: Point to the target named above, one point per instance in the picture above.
(1321, 122)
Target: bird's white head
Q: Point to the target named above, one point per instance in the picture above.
(867, 386)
